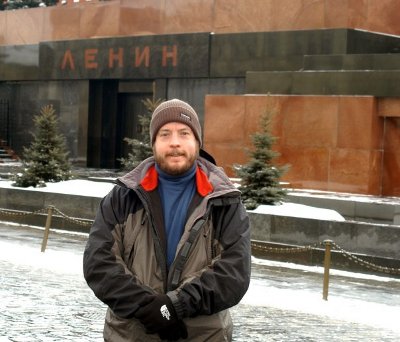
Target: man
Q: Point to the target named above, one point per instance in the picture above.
(169, 250)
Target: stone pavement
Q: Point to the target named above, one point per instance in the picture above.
(45, 298)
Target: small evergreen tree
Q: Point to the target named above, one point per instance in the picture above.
(140, 148)
(46, 160)
(259, 177)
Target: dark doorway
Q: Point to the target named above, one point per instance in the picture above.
(114, 107)
(5, 122)
(102, 123)
(130, 107)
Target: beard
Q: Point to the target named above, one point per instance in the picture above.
(175, 169)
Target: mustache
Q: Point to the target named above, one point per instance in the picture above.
(175, 153)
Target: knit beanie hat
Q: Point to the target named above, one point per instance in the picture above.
(174, 111)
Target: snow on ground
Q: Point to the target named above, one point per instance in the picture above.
(299, 210)
(345, 196)
(90, 188)
(78, 187)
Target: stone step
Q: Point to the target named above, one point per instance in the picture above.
(390, 61)
(339, 82)
(6, 153)
(235, 53)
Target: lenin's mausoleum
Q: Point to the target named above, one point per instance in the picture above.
(330, 69)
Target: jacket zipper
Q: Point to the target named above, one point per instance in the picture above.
(160, 253)
(175, 271)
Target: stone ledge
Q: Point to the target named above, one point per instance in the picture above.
(84, 207)
(363, 208)
(356, 237)
(339, 82)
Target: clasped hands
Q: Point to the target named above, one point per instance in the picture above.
(159, 316)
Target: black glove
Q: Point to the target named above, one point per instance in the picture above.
(158, 314)
(174, 332)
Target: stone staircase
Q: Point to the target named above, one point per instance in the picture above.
(7, 155)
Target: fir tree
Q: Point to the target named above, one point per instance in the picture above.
(140, 148)
(46, 160)
(260, 177)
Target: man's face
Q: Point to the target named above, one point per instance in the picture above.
(175, 148)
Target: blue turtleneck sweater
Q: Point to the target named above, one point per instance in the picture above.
(176, 193)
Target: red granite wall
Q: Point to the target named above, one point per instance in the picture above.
(332, 143)
(143, 17)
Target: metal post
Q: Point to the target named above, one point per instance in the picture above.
(327, 265)
(47, 228)
(8, 126)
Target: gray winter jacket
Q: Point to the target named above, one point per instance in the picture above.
(125, 256)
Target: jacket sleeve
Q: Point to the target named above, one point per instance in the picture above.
(103, 266)
(224, 283)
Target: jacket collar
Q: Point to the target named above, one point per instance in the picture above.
(150, 181)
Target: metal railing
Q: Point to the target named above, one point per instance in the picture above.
(328, 245)
(350, 256)
(50, 210)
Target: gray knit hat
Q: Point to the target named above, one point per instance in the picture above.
(174, 111)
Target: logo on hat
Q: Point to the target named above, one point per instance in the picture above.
(186, 117)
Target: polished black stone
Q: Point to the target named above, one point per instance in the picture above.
(232, 55)
(19, 62)
(374, 83)
(389, 61)
(141, 57)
